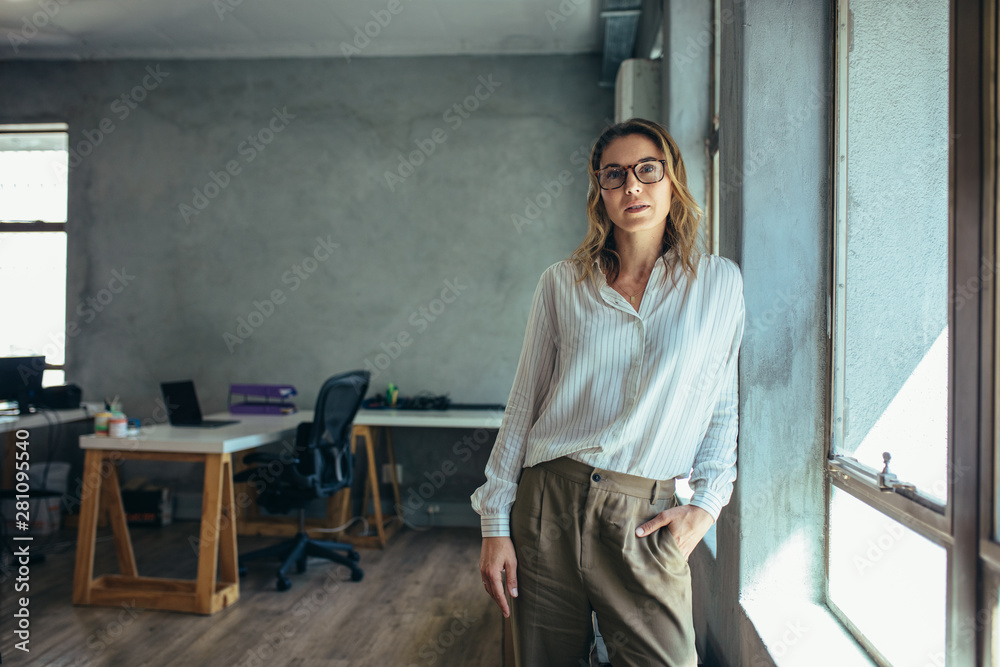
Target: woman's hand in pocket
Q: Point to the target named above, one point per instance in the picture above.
(687, 523)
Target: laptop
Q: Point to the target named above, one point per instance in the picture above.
(183, 408)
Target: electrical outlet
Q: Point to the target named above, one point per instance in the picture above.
(387, 473)
(433, 509)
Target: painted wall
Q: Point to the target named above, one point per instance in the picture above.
(775, 207)
(286, 220)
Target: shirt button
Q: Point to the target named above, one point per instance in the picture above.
(596, 477)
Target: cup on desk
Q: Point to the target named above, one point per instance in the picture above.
(101, 423)
(117, 426)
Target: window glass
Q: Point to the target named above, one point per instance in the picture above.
(896, 282)
(888, 581)
(33, 188)
(33, 176)
(33, 278)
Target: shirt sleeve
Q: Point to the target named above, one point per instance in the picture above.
(714, 469)
(493, 500)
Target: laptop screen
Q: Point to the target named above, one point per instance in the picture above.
(181, 401)
(21, 379)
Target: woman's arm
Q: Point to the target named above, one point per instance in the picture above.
(494, 499)
(534, 373)
(714, 469)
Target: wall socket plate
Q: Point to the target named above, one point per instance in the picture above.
(387, 473)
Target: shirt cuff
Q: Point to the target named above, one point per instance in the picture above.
(495, 526)
(708, 501)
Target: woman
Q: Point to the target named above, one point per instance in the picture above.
(627, 379)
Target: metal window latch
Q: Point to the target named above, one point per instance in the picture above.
(887, 481)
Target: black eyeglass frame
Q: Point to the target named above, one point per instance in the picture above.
(634, 173)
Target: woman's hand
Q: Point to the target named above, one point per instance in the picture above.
(688, 523)
(498, 555)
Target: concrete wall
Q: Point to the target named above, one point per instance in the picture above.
(775, 206)
(285, 220)
(687, 71)
(688, 46)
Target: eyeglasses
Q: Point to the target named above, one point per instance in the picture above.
(612, 178)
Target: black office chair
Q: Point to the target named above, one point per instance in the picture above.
(323, 465)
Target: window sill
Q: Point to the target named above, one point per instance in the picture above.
(802, 634)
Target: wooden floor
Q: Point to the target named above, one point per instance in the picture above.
(421, 603)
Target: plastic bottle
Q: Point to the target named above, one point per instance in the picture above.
(101, 423)
(117, 425)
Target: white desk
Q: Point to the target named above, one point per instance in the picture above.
(212, 590)
(367, 421)
(214, 447)
(367, 425)
(11, 424)
(41, 419)
(430, 418)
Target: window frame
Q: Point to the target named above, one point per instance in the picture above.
(37, 226)
(972, 402)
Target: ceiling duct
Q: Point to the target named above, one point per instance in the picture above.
(621, 23)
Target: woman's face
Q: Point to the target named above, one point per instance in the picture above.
(635, 205)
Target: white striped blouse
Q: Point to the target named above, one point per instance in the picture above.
(650, 393)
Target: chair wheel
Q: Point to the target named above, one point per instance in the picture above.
(355, 556)
(284, 584)
(357, 575)
(242, 570)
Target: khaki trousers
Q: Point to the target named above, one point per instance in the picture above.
(573, 529)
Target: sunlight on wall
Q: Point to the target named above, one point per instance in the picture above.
(914, 426)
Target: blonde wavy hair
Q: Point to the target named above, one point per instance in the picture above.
(682, 222)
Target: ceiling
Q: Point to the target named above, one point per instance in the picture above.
(110, 29)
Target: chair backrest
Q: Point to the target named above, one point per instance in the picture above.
(327, 459)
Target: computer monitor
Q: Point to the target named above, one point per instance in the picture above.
(21, 381)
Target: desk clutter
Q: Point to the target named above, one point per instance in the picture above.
(262, 399)
(111, 422)
(147, 504)
(391, 400)
(419, 402)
